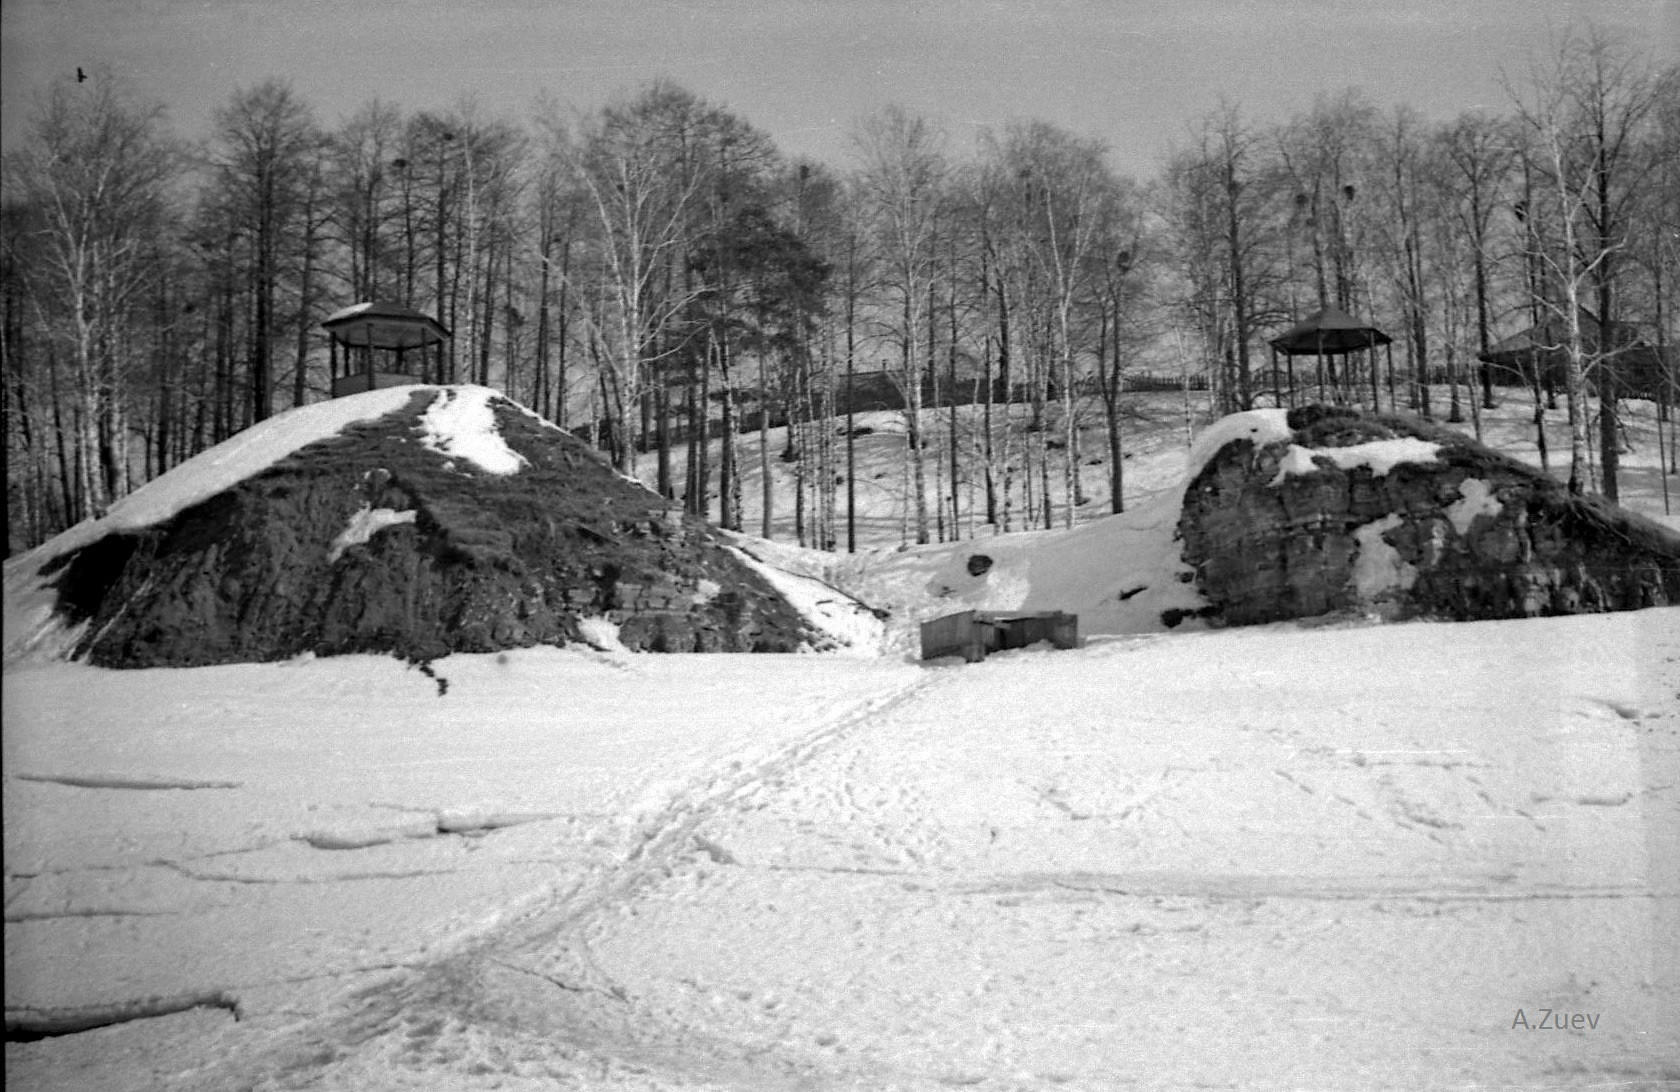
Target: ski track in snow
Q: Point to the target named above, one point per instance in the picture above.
(661, 841)
(993, 877)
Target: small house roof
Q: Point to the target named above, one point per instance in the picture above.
(1550, 339)
(1331, 330)
(379, 325)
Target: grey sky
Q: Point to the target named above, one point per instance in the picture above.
(1133, 73)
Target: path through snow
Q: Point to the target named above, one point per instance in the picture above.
(301, 829)
(1258, 858)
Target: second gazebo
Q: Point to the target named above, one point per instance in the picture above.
(1329, 333)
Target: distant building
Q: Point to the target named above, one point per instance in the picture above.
(1539, 356)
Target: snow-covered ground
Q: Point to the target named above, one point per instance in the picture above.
(1273, 858)
(1298, 856)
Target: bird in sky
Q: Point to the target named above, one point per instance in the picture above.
(81, 77)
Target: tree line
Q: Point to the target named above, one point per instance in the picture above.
(1561, 218)
(657, 276)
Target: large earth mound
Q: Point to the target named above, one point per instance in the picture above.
(456, 522)
(1325, 510)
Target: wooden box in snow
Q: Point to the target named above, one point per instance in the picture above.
(972, 634)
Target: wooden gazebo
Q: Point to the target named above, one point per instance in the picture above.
(364, 329)
(1329, 333)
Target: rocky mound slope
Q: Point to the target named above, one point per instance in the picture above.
(457, 522)
(1325, 510)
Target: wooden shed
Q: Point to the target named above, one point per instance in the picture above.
(972, 634)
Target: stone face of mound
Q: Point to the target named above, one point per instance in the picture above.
(1392, 516)
(381, 539)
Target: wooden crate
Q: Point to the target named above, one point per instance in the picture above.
(972, 634)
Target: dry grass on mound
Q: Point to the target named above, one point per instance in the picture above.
(271, 567)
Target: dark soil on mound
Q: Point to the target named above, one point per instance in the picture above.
(1266, 549)
(464, 561)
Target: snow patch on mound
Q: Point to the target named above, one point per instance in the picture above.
(1379, 570)
(1380, 456)
(1475, 498)
(600, 634)
(459, 424)
(1260, 427)
(367, 522)
(1268, 426)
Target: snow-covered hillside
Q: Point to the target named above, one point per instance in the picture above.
(1158, 440)
(1117, 573)
(1327, 856)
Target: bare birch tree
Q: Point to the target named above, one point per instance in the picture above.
(95, 168)
(1587, 109)
(902, 182)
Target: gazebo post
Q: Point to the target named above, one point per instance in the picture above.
(1319, 355)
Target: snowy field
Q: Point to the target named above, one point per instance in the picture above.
(1314, 856)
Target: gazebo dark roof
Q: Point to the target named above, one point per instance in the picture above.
(377, 325)
(1331, 330)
